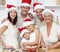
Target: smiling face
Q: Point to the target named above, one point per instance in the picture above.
(26, 35)
(25, 9)
(48, 17)
(13, 13)
(31, 27)
(39, 12)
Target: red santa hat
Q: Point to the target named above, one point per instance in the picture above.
(37, 5)
(26, 3)
(10, 7)
(27, 22)
(51, 11)
(22, 31)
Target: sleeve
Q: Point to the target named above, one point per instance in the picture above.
(6, 23)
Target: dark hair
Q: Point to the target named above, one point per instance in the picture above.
(15, 19)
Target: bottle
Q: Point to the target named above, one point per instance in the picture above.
(57, 20)
(58, 2)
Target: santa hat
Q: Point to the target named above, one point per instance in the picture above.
(22, 31)
(52, 12)
(27, 22)
(37, 5)
(26, 3)
(10, 7)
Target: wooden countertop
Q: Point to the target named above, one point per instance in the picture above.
(54, 50)
(51, 50)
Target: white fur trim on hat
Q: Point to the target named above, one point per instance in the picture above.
(22, 33)
(39, 7)
(49, 11)
(13, 8)
(27, 23)
(25, 4)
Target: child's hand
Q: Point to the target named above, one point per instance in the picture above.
(25, 44)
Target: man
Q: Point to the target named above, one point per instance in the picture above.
(25, 7)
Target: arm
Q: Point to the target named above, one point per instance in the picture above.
(3, 44)
(2, 29)
(57, 45)
(4, 26)
(54, 46)
(5, 19)
(36, 42)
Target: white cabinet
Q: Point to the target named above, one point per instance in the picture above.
(48, 2)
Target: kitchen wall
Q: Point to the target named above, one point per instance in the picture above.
(51, 4)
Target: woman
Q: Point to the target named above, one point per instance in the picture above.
(50, 31)
(34, 36)
(8, 30)
(38, 9)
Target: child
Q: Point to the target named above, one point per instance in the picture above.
(25, 35)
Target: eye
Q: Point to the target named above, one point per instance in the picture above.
(23, 7)
(15, 12)
(40, 11)
(37, 12)
(45, 16)
(27, 7)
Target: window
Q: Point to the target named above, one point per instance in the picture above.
(2, 2)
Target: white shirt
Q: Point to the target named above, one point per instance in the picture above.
(23, 41)
(53, 37)
(10, 35)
